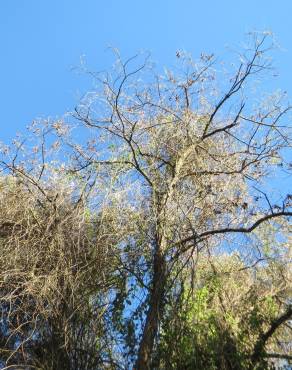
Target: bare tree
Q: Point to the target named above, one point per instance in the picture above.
(182, 159)
(167, 167)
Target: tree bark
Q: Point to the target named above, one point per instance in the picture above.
(154, 313)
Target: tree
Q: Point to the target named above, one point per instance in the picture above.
(187, 162)
(173, 168)
(55, 273)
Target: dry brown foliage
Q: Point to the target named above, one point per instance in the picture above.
(54, 276)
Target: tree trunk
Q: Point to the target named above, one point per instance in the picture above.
(154, 313)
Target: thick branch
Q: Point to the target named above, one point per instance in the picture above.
(243, 230)
(260, 344)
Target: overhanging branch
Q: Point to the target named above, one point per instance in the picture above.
(243, 230)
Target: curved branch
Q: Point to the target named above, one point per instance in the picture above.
(243, 230)
(260, 344)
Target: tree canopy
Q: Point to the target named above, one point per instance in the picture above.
(140, 231)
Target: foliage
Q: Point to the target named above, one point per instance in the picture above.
(54, 276)
(142, 234)
(217, 323)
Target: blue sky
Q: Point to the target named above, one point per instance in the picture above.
(41, 40)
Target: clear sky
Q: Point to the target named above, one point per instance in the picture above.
(41, 40)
